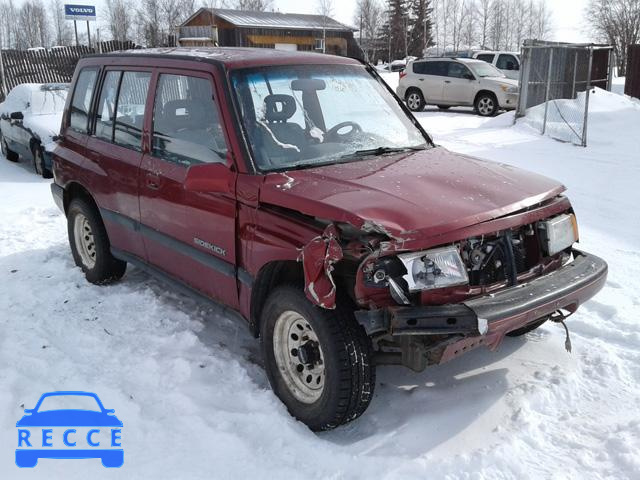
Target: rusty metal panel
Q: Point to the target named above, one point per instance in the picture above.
(632, 83)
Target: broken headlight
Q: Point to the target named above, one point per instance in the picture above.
(558, 233)
(437, 268)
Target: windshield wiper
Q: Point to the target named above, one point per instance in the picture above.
(381, 151)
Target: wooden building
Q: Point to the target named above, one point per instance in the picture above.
(285, 31)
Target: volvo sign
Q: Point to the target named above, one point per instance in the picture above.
(80, 12)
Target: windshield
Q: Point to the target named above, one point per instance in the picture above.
(308, 115)
(483, 69)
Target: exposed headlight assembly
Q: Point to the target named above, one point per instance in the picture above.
(437, 268)
(558, 233)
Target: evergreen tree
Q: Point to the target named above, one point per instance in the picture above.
(394, 31)
(421, 27)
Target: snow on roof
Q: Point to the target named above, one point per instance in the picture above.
(298, 21)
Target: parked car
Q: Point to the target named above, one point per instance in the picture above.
(30, 118)
(297, 190)
(448, 82)
(507, 62)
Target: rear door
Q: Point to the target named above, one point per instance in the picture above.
(114, 153)
(430, 79)
(458, 89)
(191, 236)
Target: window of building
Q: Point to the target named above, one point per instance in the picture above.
(319, 43)
(106, 110)
(186, 125)
(130, 109)
(81, 102)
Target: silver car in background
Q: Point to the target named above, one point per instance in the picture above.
(448, 82)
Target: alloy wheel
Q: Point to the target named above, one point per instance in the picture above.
(485, 106)
(413, 101)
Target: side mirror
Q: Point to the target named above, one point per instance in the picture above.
(209, 178)
(468, 76)
(16, 116)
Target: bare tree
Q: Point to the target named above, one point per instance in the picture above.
(616, 22)
(32, 25)
(252, 5)
(119, 19)
(61, 30)
(8, 25)
(324, 8)
(369, 16)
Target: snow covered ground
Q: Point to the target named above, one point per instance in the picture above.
(186, 381)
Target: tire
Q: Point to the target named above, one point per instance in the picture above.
(38, 161)
(527, 328)
(6, 151)
(486, 105)
(90, 244)
(414, 100)
(444, 107)
(339, 385)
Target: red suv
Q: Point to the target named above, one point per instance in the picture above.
(296, 189)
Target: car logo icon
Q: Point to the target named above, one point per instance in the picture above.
(47, 431)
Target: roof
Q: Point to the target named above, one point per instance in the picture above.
(276, 20)
(234, 57)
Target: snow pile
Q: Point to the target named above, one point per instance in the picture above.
(186, 380)
(565, 117)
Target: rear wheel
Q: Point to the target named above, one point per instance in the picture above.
(486, 105)
(6, 151)
(90, 244)
(319, 362)
(415, 100)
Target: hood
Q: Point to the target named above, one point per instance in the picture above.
(431, 192)
(502, 80)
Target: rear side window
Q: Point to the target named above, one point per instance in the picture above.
(129, 118)
(431, 68)
(81, 101)
(106, 110)
(186, 125)
(507, 62)
(486, 57)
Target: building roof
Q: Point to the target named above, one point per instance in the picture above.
(293, 21)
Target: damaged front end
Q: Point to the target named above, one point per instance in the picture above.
(429, 306)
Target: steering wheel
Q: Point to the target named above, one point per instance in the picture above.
(333, 134)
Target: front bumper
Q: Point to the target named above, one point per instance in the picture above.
(508, 101)
(487, 319)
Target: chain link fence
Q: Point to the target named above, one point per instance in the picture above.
(555, 84)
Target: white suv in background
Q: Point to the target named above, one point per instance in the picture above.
(448, 82)
(507, 62)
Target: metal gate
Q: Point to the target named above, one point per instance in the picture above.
(555, 84)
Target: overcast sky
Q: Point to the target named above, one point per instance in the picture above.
(567, 14)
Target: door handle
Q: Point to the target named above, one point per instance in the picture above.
(421, 79)
(153, 181)
(447, 81)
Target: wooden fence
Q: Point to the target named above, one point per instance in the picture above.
(632, 82)
(47, 66)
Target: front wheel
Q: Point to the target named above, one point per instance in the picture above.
(38, 162)
(319, 362)
(90, 244)
(486, 105)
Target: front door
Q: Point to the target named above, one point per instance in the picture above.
(458, 89)
(188, 235)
